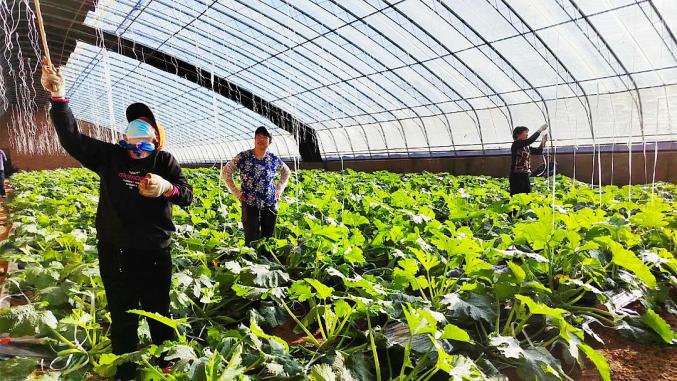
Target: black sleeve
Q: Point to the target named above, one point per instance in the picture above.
(517, 144)
(174, 175)
(88, 151)
(536, 151)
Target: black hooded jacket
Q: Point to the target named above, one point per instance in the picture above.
(124, 218)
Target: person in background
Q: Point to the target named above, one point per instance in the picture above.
(520, 166)
(3, 160)
(138, 185)
(259, 194)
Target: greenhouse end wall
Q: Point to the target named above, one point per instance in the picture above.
(614, 165)
(51, 158)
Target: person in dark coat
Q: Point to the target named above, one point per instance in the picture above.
(138, 184)
(520, 165)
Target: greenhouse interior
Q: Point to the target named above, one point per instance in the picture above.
(338, 190)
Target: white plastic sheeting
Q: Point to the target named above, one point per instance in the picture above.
(399, 77)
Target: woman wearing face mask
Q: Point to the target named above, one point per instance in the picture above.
(138, 185)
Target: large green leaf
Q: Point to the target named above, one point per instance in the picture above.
(454, 332)
(420, 321)
(322, 291)
(471, 308)
(258, 332)
(322, 372)
(17, 369)
(628, 260)
(651, 216)
(537, 308)
(262, 276)
(660, 326)
(539, 365)
(598, 360)
(507, 345)
(26, 320)
(173, 323)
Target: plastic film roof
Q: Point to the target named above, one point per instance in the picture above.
(384, 78)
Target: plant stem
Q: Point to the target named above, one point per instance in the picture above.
(377, 365)
(507, 322)
(405, 359)
(521, 325)
(498, 316)
(303, 327)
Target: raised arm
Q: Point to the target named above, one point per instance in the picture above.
(517, 144)
(539, 149)
(88, 151)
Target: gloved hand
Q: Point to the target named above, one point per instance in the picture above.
(154, 186)
(52, 80)
(543, 128)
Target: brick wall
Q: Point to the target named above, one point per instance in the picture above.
(20, 161)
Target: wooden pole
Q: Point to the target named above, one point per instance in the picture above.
(41, 26)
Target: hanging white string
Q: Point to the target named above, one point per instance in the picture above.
(669, 120)
(613, 133)
(599, 151)
(295, 124)
(655, 157)
(552, 139)
(632, 112)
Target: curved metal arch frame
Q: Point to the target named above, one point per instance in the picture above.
(645, 3)
(307, 144)
(384, 109)
(510, 67)
(473, 109)
(476, 118)
(344, 62)
(281, 75)
(100, 32)
(384, 89)
(467, 67)
(174, 63)
(284, 76)
(603, 44)
(122, 70)
(558, 61)
(422, 126)
(672, 43)
(229, 59)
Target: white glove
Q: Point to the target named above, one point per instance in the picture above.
(52, 80)
(154, 186)
(543, 128)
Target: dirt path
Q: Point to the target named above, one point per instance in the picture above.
(632, 361)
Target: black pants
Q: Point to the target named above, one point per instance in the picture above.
(258, 223)
(2, 183)
(135, 279)
(519, 183)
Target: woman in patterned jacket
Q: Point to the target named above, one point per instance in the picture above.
(258, 193)
(520, 166)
